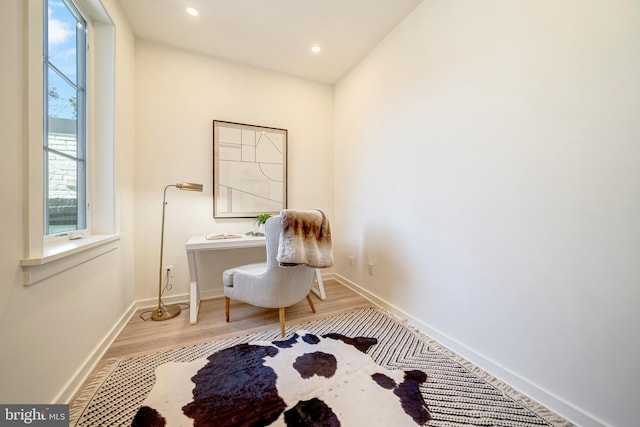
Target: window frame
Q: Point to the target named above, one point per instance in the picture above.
(82, 127)
(46, 256)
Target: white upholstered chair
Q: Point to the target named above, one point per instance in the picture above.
(268, 284)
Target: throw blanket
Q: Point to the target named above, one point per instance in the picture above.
(305, 239)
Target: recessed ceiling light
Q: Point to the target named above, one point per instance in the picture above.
(191, 11)
(315, 49)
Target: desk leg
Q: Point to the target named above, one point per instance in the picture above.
(194, 287)
(320, 291)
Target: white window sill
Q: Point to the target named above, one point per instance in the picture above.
(60, 255)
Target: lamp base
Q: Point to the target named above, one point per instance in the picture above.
(166, 312)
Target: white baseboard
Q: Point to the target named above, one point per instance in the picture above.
(184, 298)
(176, 299)
(563, 408)
(82, 373)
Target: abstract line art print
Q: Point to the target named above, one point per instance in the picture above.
(249, 169)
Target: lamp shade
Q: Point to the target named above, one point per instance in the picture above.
(189, 186)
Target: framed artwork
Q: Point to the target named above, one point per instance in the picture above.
(249, 170)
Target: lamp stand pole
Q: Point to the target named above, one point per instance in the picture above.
(164, 312)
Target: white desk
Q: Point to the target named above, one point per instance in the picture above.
(198, 244)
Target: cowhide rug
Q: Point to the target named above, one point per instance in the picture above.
(307, 380)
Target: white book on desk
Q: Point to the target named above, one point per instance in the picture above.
(221, 236)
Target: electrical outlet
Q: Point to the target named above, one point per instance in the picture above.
(169, 269)
(370, 265)
(351, 261)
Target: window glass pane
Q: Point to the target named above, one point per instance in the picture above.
(62, 136)
(65, 138)
(62, 35)
(62, 97)
(62, 203)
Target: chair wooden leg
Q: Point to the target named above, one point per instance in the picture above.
(313, 308)
(227, 300)
(281, 313)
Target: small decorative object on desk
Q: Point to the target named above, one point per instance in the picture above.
(259, 221)
(214, 236)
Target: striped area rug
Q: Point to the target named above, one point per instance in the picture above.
(456, 392)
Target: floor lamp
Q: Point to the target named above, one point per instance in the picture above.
(166, 312)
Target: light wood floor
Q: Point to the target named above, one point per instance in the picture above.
(142, 337)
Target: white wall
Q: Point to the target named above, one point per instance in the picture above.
(50, 329)
(178, 95)
(496, 191)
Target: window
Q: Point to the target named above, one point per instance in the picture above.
(70, 137)
(65, 113)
